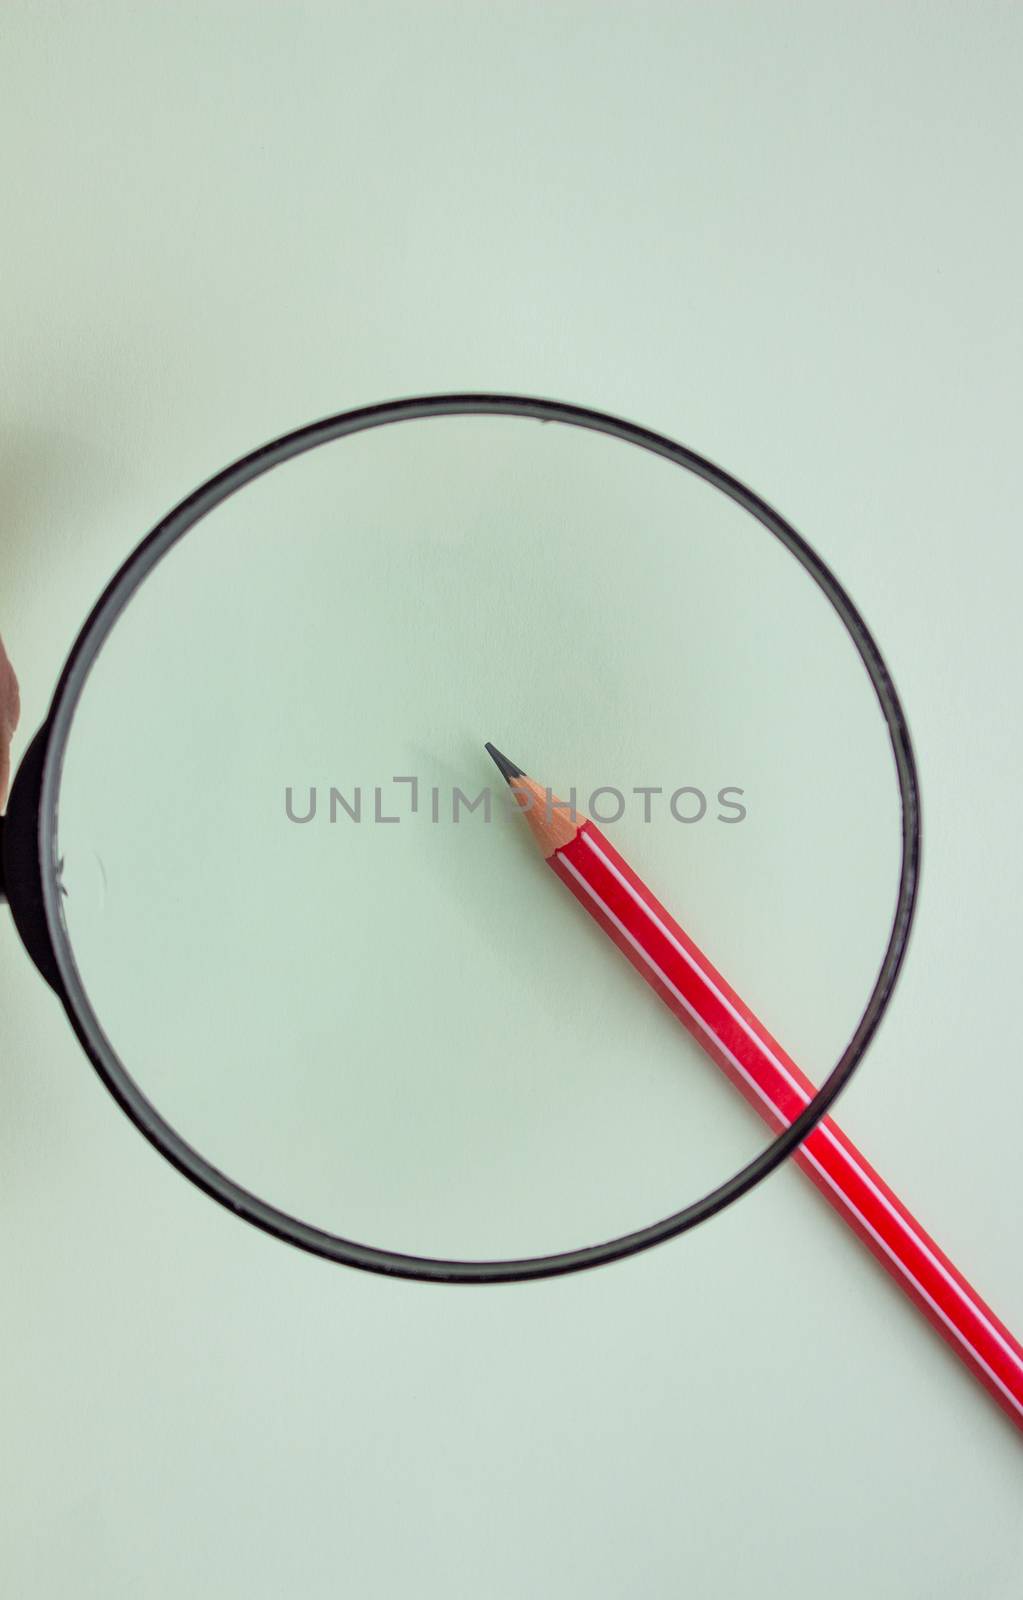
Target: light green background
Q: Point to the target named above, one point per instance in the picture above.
(782, 234)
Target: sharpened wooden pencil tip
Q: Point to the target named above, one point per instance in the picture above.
(506, 768)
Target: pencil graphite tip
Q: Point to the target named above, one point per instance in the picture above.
(506, 768)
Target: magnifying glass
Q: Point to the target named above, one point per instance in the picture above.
(259, 852)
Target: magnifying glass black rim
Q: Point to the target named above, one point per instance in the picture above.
(99, 1049)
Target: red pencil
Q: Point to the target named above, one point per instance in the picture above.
(680, 974)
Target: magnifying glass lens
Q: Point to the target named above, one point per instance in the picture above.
(311, 929)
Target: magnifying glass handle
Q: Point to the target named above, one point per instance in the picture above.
(21, 882)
